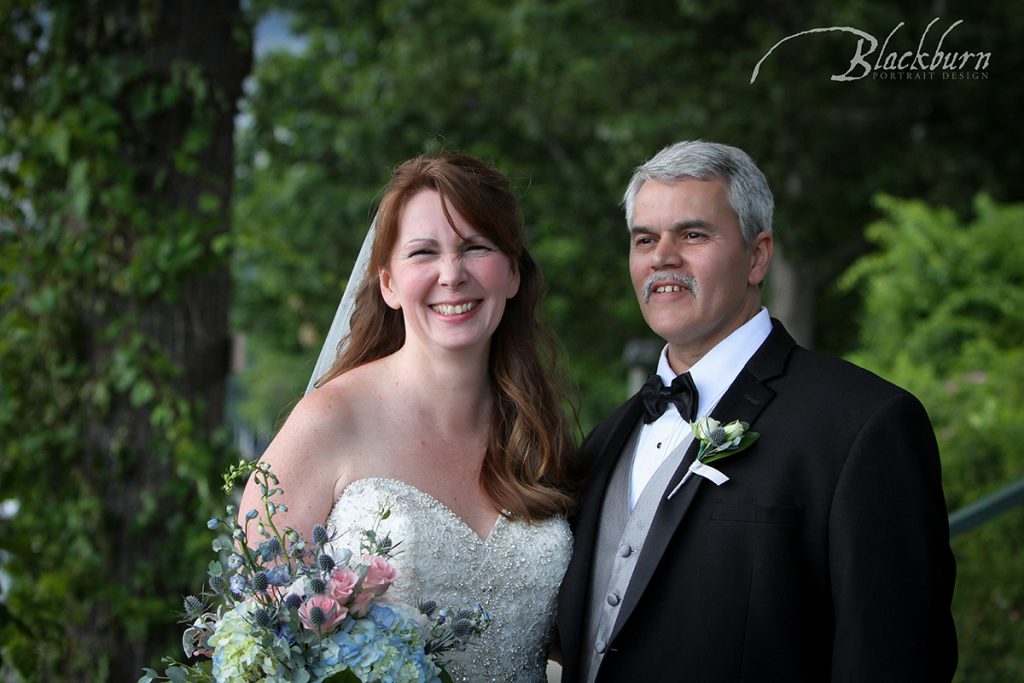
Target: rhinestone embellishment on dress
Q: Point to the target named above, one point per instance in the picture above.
(514, 573)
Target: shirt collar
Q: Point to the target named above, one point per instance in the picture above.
(717, 369)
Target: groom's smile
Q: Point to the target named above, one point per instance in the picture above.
(669, 283)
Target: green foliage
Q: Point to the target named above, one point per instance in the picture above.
(107, 445)
(944, 317)
(567, 98)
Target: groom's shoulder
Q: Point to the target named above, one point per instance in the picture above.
(829, 376)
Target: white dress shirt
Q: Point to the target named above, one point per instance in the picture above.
(712, 375)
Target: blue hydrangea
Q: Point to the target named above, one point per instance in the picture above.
(387, 645)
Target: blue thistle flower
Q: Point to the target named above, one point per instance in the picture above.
(264, 617)
(270, 549)
(317, 585)
(193, 606)
(217, 584)
(260, 582)
(325, 562)
(293, 601)
(320, 536)
(463, 628)
(717, 436)
(316, 616)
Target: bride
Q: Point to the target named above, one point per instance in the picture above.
(441, 406)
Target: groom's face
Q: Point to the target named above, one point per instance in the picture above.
(695, 278)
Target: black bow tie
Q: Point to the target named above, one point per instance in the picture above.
(656, 397)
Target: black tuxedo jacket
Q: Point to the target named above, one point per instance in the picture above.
(825, 557)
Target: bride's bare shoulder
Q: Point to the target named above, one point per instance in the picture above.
(325, 432)
(343, 405)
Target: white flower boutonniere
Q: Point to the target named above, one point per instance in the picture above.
(716, 442)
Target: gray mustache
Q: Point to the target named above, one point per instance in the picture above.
(688, 281)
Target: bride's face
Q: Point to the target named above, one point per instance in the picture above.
(450, 287)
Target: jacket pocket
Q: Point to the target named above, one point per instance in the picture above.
(753, 513)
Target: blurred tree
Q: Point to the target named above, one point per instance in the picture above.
(567, 98)
(116, 167)
(944, 317)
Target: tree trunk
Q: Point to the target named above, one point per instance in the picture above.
(189, 327)
(792, 287)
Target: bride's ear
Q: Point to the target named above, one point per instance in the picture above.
(514, 281)
(387, 290)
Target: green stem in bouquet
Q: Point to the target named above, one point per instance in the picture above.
(268, 483)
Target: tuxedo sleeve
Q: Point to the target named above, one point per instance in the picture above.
(892, 570)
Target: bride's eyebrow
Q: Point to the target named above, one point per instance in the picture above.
(420, 242)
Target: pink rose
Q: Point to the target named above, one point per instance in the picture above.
(342, 584)
(361, 605)
(379, 575)
(321, 613)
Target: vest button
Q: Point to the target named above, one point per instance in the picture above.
(613, 599)
(625, 550)
(600, 646)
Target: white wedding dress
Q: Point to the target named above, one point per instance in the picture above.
(514, 572)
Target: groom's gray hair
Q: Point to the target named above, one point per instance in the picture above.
(748, 191)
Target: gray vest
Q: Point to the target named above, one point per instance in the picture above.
(620, 538)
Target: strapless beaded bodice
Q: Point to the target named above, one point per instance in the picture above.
(514, 572)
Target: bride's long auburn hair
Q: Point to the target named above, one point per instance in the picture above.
(527, 468)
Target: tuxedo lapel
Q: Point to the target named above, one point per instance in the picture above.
(744, 401)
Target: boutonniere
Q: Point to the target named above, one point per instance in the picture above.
(717, 441)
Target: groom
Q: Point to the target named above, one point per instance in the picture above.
(821, 551)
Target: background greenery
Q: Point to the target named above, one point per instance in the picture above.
(896, 225)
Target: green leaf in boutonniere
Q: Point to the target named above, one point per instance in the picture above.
(718, 441)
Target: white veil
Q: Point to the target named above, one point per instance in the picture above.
(343, 316)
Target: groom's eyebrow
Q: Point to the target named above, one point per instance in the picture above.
(678, 226)
(691, 223)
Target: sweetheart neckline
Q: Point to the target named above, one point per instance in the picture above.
(483, 540)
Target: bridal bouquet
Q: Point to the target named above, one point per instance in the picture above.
(287, 609)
